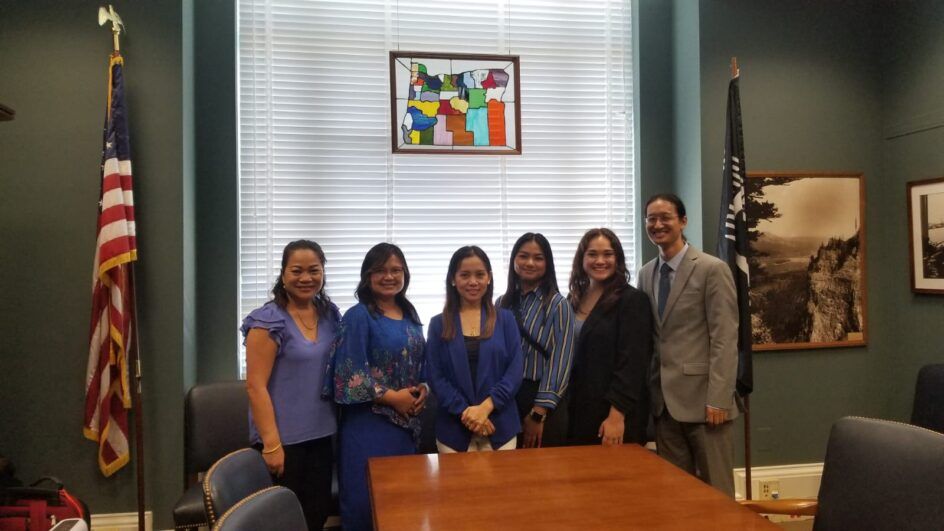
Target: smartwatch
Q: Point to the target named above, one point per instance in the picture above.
(537, 417)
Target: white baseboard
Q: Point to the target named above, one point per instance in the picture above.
(795, 481)
(121, 521)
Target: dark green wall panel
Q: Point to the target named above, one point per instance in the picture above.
(217, 189)
(687, 138)
(913, 129)
(815, 96)
(54, 61)
(656, 112)
(824, 88)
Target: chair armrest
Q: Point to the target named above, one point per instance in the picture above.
(799, 507)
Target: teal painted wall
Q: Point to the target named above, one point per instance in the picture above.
(669, 111)
(912, 55)
(216, 185)
(810, 101)
(656, 111)
(54, 61)
(820, 84)
(823, 88)
(686, 89)
(189, 198)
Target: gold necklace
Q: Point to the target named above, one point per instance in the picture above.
(314, 323)
(473, 327)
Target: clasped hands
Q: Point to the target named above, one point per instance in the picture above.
(408, 401)
(475, 419)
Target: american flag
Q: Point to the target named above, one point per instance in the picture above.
(107, 385)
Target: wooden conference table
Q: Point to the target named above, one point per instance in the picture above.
(585, 487)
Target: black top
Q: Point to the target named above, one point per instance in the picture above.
(472, 348)
(611, 365)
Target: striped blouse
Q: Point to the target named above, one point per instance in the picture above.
(553, 328)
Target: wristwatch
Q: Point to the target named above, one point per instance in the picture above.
(537, 417)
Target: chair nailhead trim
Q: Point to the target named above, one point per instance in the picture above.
(207, 499)
(241, 502)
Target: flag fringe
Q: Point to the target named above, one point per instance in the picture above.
(111, 263)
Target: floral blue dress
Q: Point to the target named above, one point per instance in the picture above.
(373, 354)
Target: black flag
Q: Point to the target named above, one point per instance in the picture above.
(732, 232)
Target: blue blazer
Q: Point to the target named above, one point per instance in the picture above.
(500, 369)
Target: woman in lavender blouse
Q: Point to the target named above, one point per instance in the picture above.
(288, 342)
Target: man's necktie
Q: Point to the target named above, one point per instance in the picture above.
(665, 285)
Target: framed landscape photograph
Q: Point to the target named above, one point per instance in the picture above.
(807, 259)
(926, 232)
(452, 103)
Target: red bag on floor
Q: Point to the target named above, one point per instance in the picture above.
(36, 508)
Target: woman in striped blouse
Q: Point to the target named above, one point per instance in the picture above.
(546, 323)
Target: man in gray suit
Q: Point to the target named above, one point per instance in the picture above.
(694, 366)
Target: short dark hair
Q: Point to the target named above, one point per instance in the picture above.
(669, 198)
(375, 258)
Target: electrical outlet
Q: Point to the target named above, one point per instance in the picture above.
(769, 489)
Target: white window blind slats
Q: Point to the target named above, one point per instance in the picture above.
(314, 137)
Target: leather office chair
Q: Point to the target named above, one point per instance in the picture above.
(928, 410)
(271, 508)
(234, 477)
(427, 444)
(216, 423)
(877, 474)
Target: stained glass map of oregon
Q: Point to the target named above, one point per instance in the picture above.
(454, 103)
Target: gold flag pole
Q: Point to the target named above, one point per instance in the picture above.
(117, 26)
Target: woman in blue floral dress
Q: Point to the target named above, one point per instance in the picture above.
(377, 378)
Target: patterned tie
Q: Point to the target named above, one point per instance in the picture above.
(665, 285)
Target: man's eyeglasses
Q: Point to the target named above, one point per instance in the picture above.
(664, 218)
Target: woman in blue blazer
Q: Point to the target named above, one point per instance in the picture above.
(475, 362)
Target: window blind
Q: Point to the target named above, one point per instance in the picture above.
(314, 137)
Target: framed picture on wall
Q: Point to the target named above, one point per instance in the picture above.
(807, 260)
(452, 103)
(926, 231)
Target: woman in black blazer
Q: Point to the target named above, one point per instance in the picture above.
(609, 385)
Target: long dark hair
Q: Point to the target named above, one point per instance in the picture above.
(321, 300)
(548, 284)
(451, 309)
(580, 281)
(375, 258)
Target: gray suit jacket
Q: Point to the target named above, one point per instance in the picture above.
(695, 359)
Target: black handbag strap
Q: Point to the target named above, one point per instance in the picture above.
(527, 337)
